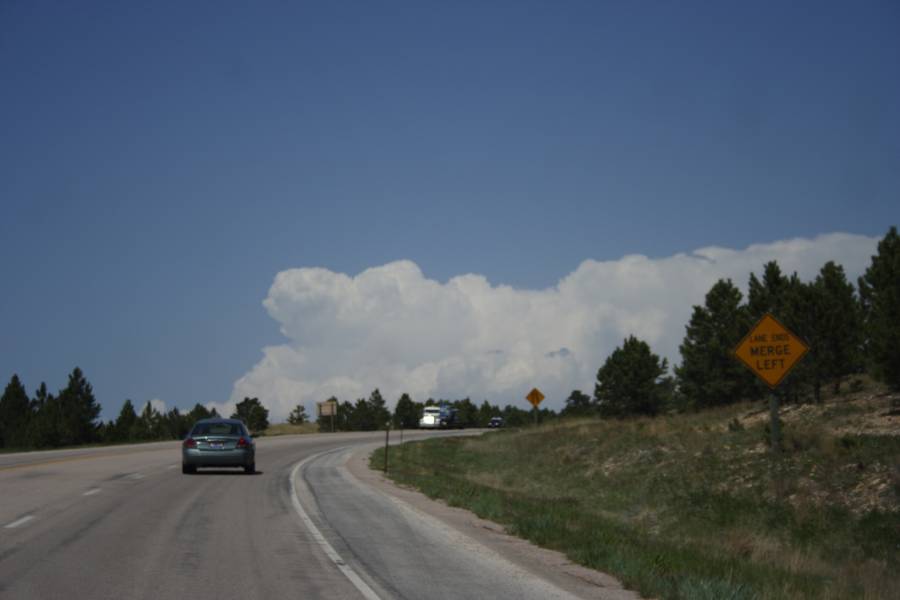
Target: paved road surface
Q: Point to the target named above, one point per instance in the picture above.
(124, 522)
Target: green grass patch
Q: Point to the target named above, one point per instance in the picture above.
(686, 507)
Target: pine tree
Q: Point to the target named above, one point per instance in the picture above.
(106, 432)
(768, 295)
(830, 320)
(342, 421)
(361, 417)
(466, 413)
(43, 431)
(802, 309)
(174, 425)
(149, 424)
(405, 413)
(709, 375)
(381, 416)
(15, 415)
(514, 416)
(879, 289)
(125, 429)
(578, 404)
(486, 412)
(298, 415)
(253, 414)
(630, 381)
(79, 411)
(198, 413)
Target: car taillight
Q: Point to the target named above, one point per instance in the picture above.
(190, 443)
(243, 443)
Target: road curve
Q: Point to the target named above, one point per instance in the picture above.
(403, 553)
(123, 522)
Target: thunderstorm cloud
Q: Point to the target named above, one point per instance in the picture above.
(391, 327)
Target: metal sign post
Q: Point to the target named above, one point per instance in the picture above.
(387, 440)
(774, 423)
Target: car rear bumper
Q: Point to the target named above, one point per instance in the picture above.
(217, 458)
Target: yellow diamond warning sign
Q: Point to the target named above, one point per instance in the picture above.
(535, 397)
(770, 350)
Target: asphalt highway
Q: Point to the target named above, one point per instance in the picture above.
(124, 522)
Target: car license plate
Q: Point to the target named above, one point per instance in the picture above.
(216, 445)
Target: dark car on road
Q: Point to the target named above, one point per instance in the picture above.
(495, 422)
(218, 443)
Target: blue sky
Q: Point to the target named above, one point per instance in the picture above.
(160, 165)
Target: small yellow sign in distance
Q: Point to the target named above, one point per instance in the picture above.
(770, 350)
(535, 397)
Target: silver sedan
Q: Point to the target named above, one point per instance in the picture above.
(218, 443)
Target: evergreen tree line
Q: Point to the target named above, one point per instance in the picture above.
(849, 330)
(71, 418)
(372, 414)
(65, 419)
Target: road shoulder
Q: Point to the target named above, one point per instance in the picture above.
(549, 565)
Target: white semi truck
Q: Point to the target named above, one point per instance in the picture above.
(438, 417)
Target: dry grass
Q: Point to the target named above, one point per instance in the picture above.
(288, 429)
(693, 505)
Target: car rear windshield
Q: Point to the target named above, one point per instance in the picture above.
(217, 429)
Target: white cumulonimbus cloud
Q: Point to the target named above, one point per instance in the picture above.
(392, 328)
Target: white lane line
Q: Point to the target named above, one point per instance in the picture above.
(135, 476)
(91, 492)
(18, 522)
(357, 582)
(172, 467)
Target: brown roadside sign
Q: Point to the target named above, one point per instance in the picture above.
(535, 397)
(770, 350)
(327, 408)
